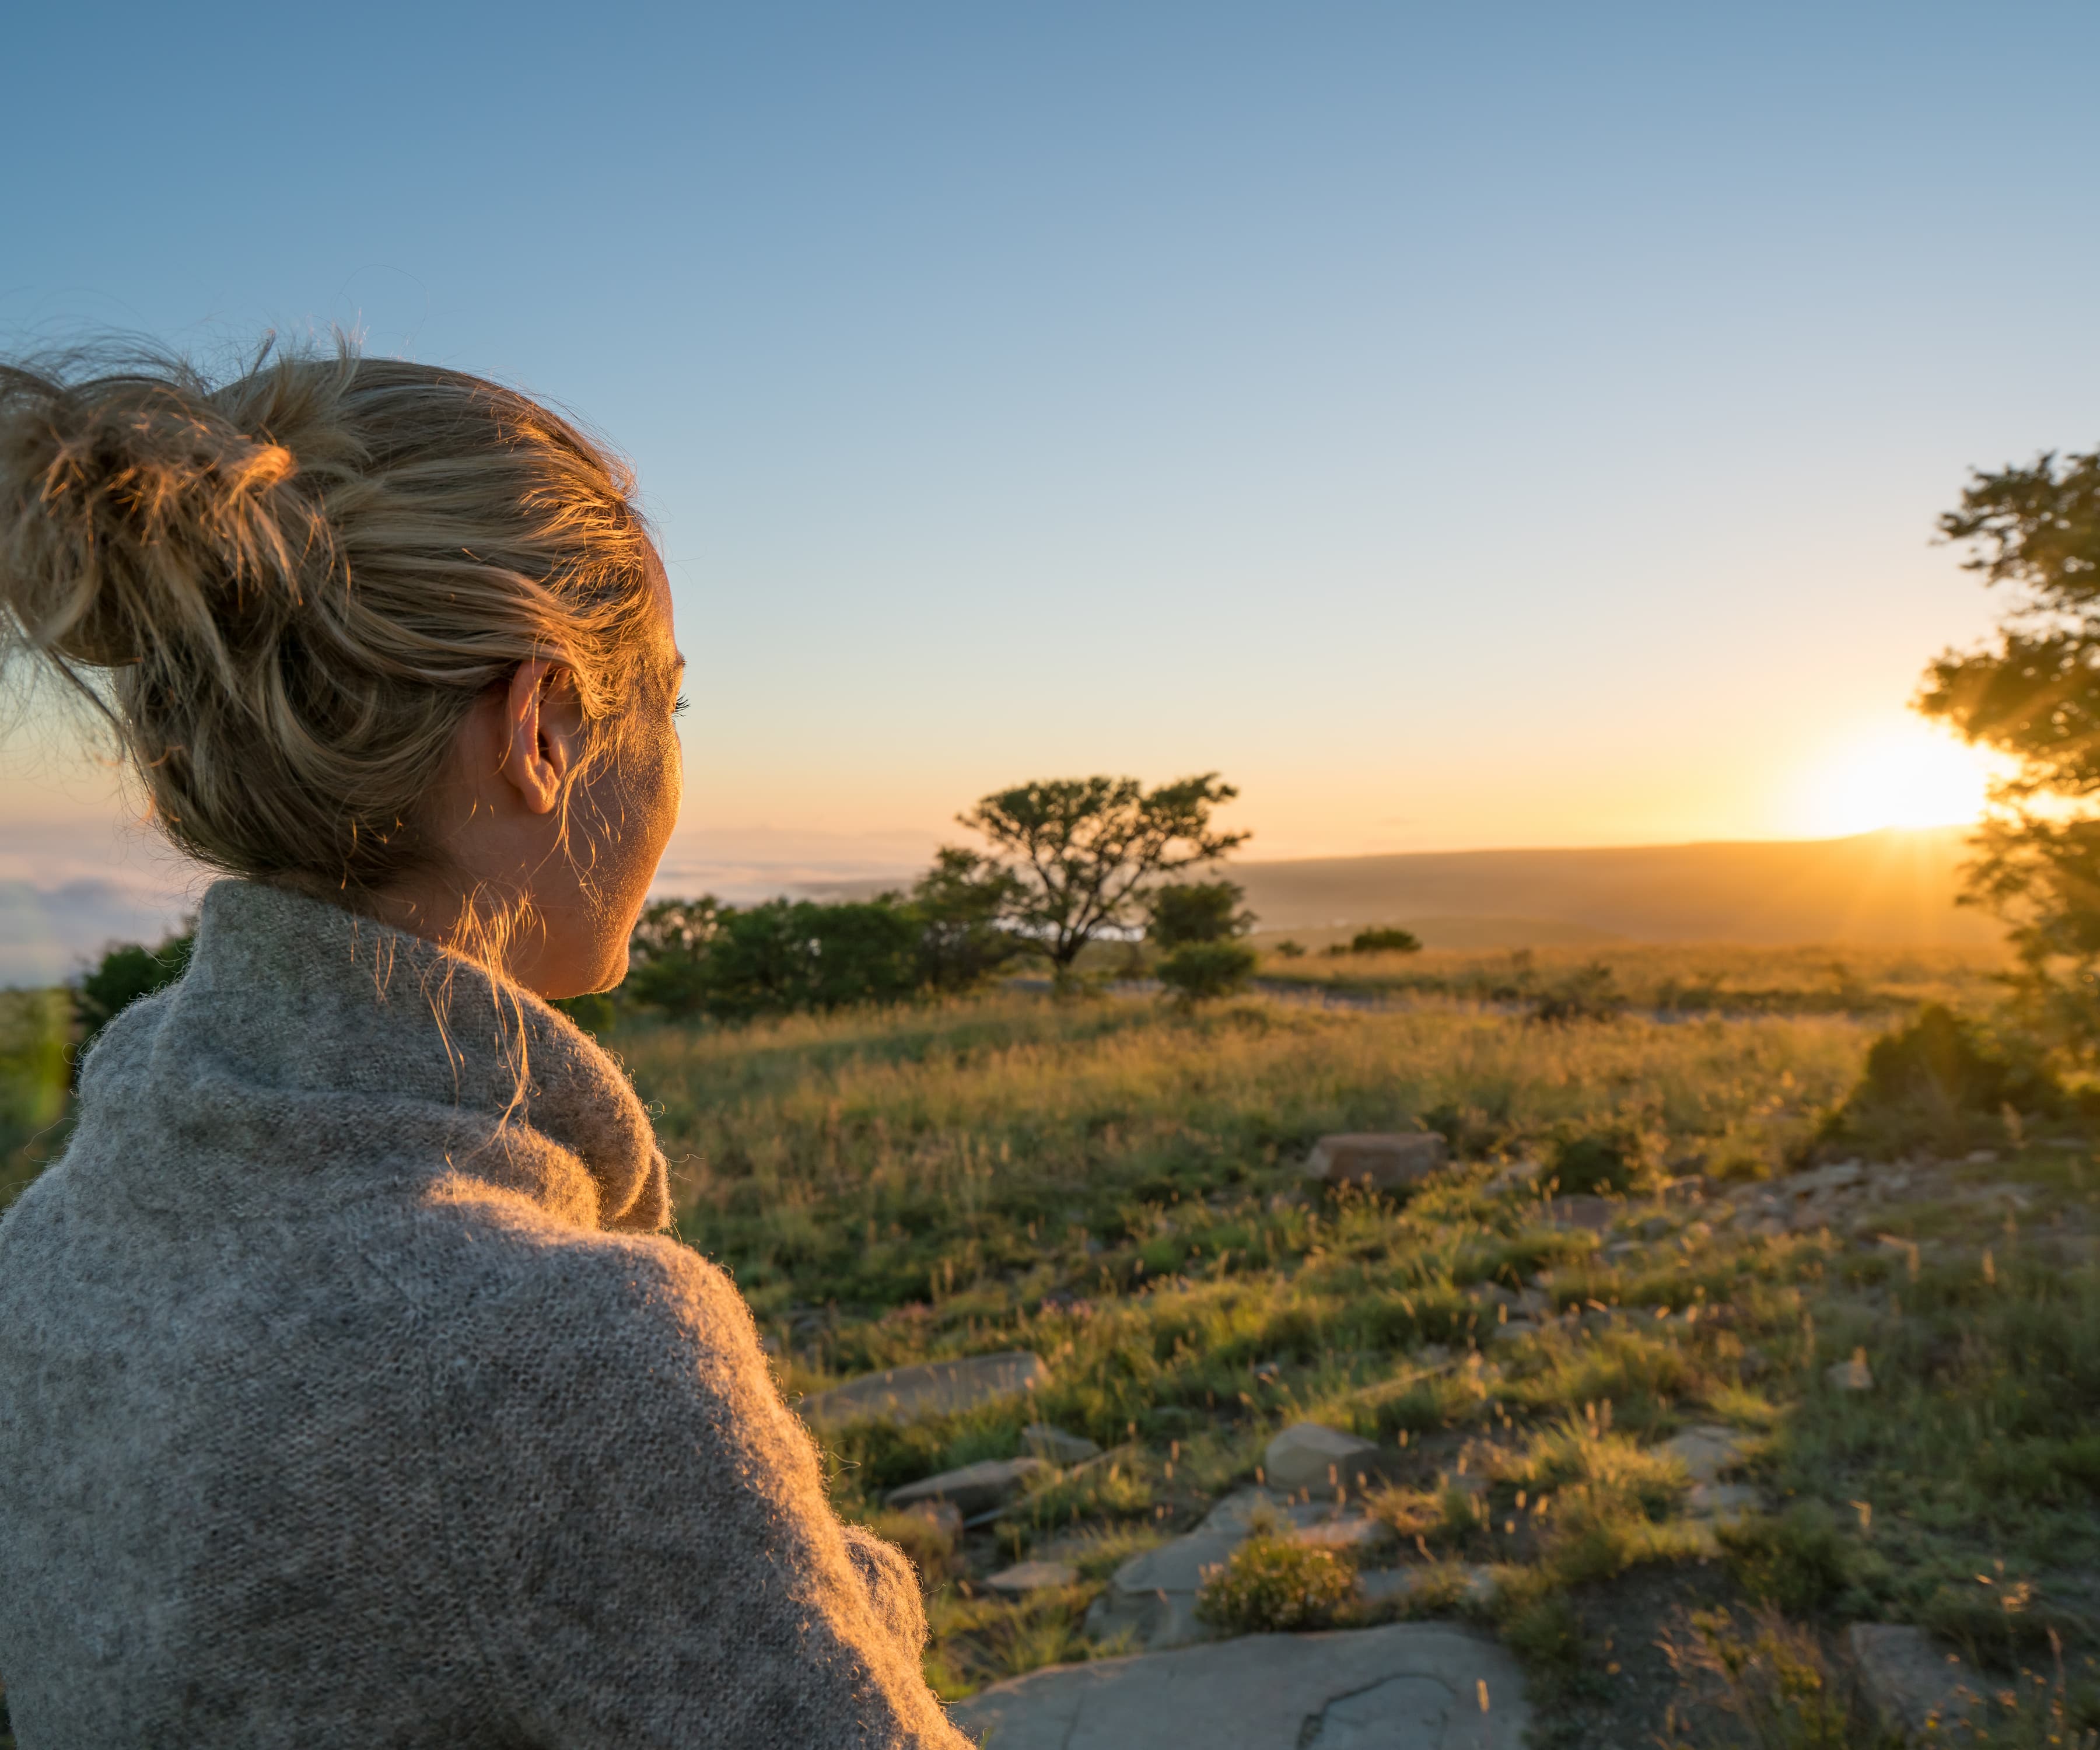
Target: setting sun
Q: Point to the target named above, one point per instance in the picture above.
(1911, 776)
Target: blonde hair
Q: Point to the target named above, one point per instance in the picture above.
(284, 592)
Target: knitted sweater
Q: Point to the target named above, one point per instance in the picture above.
(348, 1397)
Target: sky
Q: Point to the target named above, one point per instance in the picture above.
(1505, 424)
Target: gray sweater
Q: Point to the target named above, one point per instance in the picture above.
(347, 1397)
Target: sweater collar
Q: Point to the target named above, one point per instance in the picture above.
(307, 997)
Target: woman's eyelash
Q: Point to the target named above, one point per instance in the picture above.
(678, 706)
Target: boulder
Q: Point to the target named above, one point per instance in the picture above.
(934, 1388)
(1032, 1577)
(975, 1489)
(1054, 1446)
(1387, 1161)
(940, 1514)
(1308, 1455)
(1913, 1688)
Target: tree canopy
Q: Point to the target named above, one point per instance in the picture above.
(1084, 851)
(2034, 695)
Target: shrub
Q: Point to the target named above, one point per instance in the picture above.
(1797, 1562)
(1385, 940)
(33, 1063)
(1289, 949)
(1196, 911)
(1271, 1585)
(1198, 972)
(1590, 993)
(124, 974)
(1944, 1082)
(1600, 1158)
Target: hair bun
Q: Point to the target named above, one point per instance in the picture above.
(129, 508)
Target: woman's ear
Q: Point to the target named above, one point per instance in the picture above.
(544, 727)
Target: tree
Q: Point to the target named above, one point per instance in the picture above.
(1385, 941)
(1199, 925)
(1084, 850)
(1196, 911)
(2035, 696)
(962, 902)
(126, 972)
(667, 956)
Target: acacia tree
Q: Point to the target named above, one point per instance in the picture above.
(1084, 851)
(2035, 696)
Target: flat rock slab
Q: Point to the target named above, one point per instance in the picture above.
(1410, 1686)
(1033, 1576)
(1310, 1456)
(974, 1488)
(1912, 1686)
(935, 1388)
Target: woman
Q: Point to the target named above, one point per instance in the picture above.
(348, 1394)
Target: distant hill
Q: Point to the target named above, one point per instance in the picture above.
(1893, 887)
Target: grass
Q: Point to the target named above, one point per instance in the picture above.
(1114, 1184)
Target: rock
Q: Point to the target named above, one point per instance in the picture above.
(974, 1489)
(1840, 1177)
(1378, 1584)
(1056, 1447)
(1593, 1214)
(1310, 1457)
(1912, 1685)
(940, 1514)
(1722, 1501)
(1705, 1451)
(1389, 1161)
(1351, 1536)
(1408, 1687)
(1153, 1595)
(1854, 1375)
(1033, 1576)
(1512, 1328)
(936, 1388)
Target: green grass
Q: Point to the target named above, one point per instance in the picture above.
(1114, 1184)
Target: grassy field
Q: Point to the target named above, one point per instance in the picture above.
(1114, 1183)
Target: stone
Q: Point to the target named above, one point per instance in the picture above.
(1593, 1214)
(1705, 1451)
(1854, 1375)
(1912, 1687)
(1509, 1329)
(934, 1388)
(1722, 1501)
(1477, 1591)
(1306, 1455)
(1389, 1161)
(1033, 1576)
(975, 1489)
(1407, 1686)
(1840, 1177)
(1349, 1536)
(1152, 1597)
(1054, 1446)
(940, 1514)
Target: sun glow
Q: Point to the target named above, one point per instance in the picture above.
(1911, 776)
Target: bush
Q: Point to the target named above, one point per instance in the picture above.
(1589, 993)
(125, 973)
(1271, 1585)
(1609, 1157)
(1199, 971)
(1944, 1082)
(1385, 941)
(1189, 912)
(32, 1064)
(700, 956)
(1289, 949)
(1796, 1562)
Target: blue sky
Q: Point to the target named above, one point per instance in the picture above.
(1460, 426)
